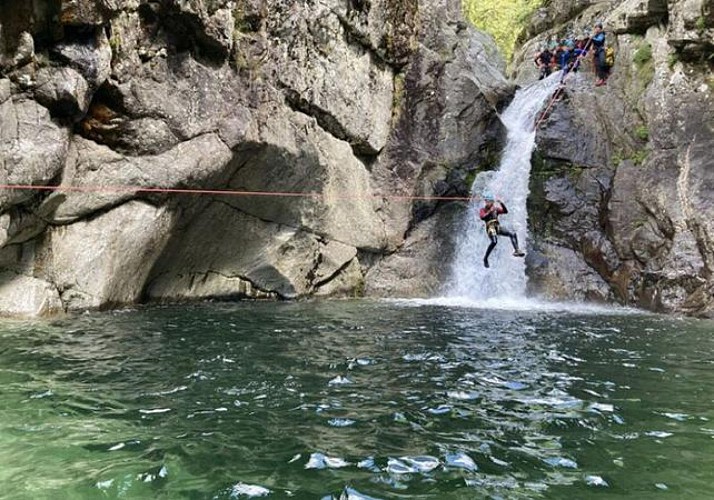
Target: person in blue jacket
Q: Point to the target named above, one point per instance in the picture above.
(565, 60)
(598, 43)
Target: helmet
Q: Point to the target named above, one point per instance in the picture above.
(488, 196)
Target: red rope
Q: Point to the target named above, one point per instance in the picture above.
(220, 192)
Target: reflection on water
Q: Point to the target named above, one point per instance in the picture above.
(357, 400)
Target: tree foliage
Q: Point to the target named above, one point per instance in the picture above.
(502, 19)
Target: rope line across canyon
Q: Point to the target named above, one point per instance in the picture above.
(222, 192)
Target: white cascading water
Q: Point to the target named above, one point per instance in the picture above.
(506, 278)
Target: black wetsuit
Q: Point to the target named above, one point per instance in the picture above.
(493, 229)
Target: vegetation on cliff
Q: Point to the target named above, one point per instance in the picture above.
(503, 19)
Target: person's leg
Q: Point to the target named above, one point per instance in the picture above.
(491, 246)
(601, 67)
(514, 240)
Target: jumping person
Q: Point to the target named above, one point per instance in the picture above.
(489, 214)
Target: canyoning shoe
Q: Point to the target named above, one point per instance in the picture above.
(518, 253)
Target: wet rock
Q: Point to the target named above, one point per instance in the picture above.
(422, 264)
(554, 270)
(27, 297)
(253, 258)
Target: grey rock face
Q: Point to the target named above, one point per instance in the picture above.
(339, 106)
(32, 147)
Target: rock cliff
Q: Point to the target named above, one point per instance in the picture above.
(113, 107)
(622, 193)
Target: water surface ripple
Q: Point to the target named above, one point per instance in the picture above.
(356, 400)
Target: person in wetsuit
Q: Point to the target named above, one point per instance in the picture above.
(489, 214)
(601, 68)
(544, 62)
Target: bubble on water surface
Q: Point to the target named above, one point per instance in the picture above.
(463, 395)
(439, 410)
(153, 411)
(680, 417)
(601, 407)
(369, 464)
(40, 395)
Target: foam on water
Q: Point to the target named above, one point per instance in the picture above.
(518, 304)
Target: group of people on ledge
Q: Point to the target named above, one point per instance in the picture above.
(567, 54)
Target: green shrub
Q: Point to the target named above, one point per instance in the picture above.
(643, 54)
(672, 59)
(502, 19)
(639, 157)
(701, 24)
(642, 133)
(644, 63)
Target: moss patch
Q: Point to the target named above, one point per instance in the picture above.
(644, 63)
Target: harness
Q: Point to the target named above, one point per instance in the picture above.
(492, 227)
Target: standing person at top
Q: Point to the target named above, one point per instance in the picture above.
(598, 42)
(489, 214)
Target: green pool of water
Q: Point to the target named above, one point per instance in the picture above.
(356, 400)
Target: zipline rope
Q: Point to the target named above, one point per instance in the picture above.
(223, 192)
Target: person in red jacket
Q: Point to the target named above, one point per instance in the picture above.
(489, 214)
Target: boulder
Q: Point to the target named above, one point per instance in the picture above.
(32, 147)
(105, 261)
(248, 257)
(25, 296)
(64, 92)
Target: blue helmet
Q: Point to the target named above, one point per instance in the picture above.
(488, 196)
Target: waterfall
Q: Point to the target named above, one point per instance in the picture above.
(506, 278)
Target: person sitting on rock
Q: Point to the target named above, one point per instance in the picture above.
(601, 68)
(544, 61)
(565, 59)
(489, 214)
(579, 52)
